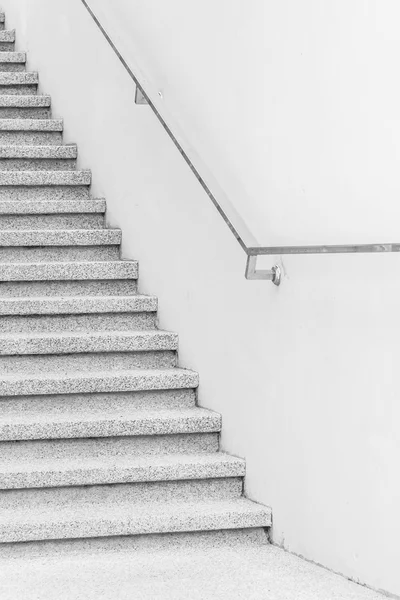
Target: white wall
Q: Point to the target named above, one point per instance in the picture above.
(295, 108)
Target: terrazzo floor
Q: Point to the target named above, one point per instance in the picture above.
(252, 573)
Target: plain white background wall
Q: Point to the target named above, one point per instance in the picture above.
(295, 108)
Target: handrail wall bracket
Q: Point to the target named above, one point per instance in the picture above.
(274, 275)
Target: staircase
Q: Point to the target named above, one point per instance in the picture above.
(100, 432)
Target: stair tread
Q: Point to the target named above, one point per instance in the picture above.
(47, 178)
(97, 381)
(59, 237)
(12, 57)
(31, 124)
(11, 415)
(64, 342)
(77, 304)
(142, 467)
(24, 100)
(7, 35)
(31, 151)
(115, 518)
(69, 271)
(47, 207)
(19, 78)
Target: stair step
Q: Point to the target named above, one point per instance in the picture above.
(59, 193)
(49, 424)
(94, 221)
(100, 341)
(31, 124)
(15, 106)
(12, 61)
(92, 382)
(18, 78)
(45, 178)
(42, 473)
(79, 305)
(66, 271)
(47, 207)
(59, 237)
(24, 101)
(69, 151)
(7, 40)
(17, 132)
(105, 519)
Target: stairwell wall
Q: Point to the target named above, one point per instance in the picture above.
(299, 120)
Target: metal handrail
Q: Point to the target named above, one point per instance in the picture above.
(252, 252)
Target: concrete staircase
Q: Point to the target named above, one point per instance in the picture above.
(100, 433)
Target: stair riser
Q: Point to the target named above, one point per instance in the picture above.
(132, 493)
(117, 402)
(97, 322)
(18, 90)
(7, 46)
(24, 113)
(59, 254)
(9, 67)
(229, 538)
(10, 164)
(44, 193)
(32, 138)
(49, 208)
(68, 288)
(52, 221)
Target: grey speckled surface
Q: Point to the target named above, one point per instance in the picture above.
(45, 177)
(31, 125)
(188, 570)
(13, 57)
(87, 341)
(88, 304)
(107, 519)
(45, 207)
(62, 254)
(79, 383)
(117, 469)
(23, 78)
(52, 221)
(66, 151)
(45, 424)
(68, 271)
(60, 237)
(25, 101)
(7, 35)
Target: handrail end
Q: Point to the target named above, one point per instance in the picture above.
(274, 275)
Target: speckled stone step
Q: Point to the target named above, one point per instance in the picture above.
(32, 158)
(42, 222)
(12, 61)
(41, 424)
(78, 305)
(46, 178)
(68, 271)
(17, 132)
(122, 468)
(107, 321)
(49, 207)
(32, 193)
(97, 382)
(60, 237)
(67, 342)
(108, 519)
(34, 106)
(7, 40)
(18, 82)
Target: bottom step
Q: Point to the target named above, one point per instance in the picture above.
(88, 520)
